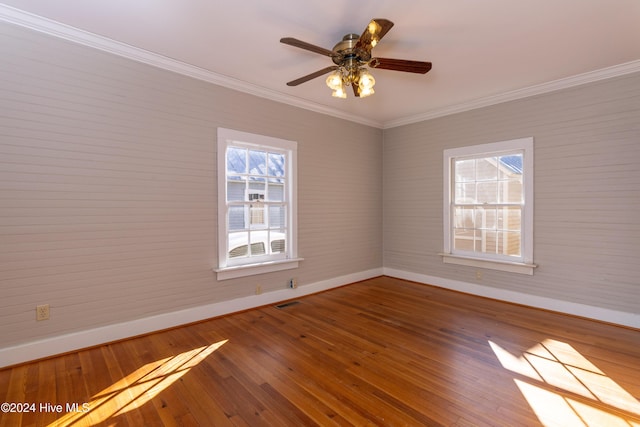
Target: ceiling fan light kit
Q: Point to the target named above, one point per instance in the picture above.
(352, 56)
(342, 77)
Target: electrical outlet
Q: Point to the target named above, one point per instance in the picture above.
(293, 283)
(478, 274)
(258, 289)
(42, 312)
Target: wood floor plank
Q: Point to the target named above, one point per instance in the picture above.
(383, 352)
(13, 381)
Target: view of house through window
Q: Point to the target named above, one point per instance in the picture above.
(488, 202)
(256, 200)
(256, 181)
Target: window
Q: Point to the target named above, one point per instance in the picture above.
(256, 204)
(488, 206)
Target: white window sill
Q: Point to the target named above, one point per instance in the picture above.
(512, 267)
(258, 268)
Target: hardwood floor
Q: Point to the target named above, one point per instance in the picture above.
(380, 352)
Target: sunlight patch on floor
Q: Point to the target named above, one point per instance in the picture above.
(137, 388)
(588, 398)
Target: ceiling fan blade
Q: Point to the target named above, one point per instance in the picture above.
(406, 65)
(307, 46)
(374, 32)
(308, 77)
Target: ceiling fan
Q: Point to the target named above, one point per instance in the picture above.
(351, 56)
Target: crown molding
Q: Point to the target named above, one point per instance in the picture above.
(552, 86)
(67, 32)
(76, 35)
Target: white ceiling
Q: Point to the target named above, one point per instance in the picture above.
(480, 50)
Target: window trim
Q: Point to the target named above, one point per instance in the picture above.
(226, 270)
(523, 265)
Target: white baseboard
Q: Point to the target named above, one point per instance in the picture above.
(91, 337)
(622, 318)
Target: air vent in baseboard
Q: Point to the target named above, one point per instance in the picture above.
(286, 304)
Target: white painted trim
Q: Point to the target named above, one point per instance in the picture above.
(96, 336)
(552, 86)
(622, 318)
(66, 32)
(57, 29)
(244, 270)
(511, 267)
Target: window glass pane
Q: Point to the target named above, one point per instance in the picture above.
(488, 241)
(258, 248)
(256, 190)
(259, 242)
(238, 244)
(477, 241)
(237, 218)
(513, 218)
(257, 217)
(257, 162)
(487, 218)
(236, 160)
(488, 192)
(276, 191)
(465, 192)
(276, 216)
(463, 239)
(276, 164)
(277, 245)
(235, 189)
(465, 170)
(510, 243)
(464, 218)
(487, 169)
(277, 241)
(511, 165)
(510, 191)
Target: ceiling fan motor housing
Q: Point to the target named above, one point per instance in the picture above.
(346, 53)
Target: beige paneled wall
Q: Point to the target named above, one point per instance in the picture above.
(587, 192)
(108, 188)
